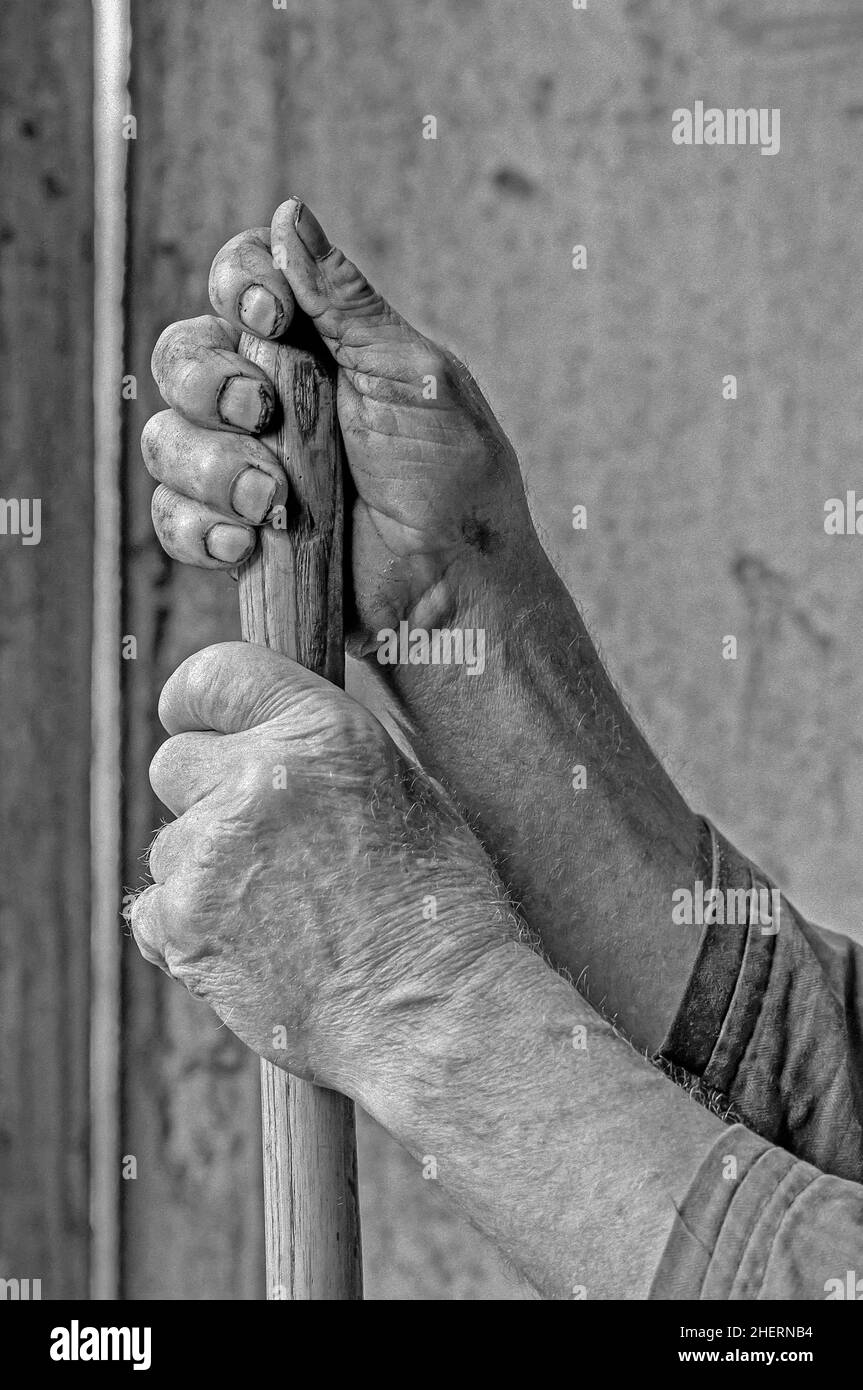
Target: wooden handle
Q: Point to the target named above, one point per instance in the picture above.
(291, 600)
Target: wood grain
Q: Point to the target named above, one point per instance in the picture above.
(46, 446)
(291, 600)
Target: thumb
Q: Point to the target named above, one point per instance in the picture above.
(234, 686)
(328, 287)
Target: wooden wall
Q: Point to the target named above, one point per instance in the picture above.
(46, 442)
(705, 516)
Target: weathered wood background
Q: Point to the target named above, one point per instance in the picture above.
(46, 434)
(705, 517)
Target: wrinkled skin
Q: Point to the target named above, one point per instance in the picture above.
(292, 892)
(300, 908)
(440, 510)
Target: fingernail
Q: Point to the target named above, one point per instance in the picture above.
(310, 232)
(244, 402)
(260, 311)
(252, 493)
(229, 543)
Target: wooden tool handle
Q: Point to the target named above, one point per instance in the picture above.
(291, 600)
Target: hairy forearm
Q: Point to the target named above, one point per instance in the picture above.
(558, 1141)
(593, 867)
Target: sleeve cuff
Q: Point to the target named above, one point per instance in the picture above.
(757, 1223)
(771, 1021)
(721, 1001)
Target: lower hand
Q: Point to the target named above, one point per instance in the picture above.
(294, 892)
(324, 897)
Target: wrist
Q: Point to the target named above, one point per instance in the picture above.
(556, 1139)
(584, 825)
(535, 644)
(471, 1054)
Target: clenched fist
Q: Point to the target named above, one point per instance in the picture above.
(323, 896)
(440, 514)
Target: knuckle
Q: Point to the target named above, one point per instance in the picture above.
(184, 690)
(207, 459)
(165, 352)
(187, 527)
(180, 348)
(142, 918)
(228, 337)
(174, 757)
(170, 762)
(159, 764)
(181, 383)
(162, 852)
(153, 440)
(162, 506)
(204, 667)
(214, 275)
(159, 502)
(234, 254)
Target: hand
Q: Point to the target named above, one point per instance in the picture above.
(324, 897)
(293, 894)
(440, 509)
(442, 535)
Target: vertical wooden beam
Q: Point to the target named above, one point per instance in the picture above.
(46, 443)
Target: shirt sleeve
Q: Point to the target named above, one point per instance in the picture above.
(771, 1020)
(758, 1223)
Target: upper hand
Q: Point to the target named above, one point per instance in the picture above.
(440, 509)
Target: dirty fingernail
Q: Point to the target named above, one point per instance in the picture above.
(244, 403)
(229, 543)
(310, 232)
(260, 311)
(252, 494)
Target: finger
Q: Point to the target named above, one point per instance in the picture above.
(235, 686)
(167, 851)
(182, 845)
(146, 923)
(179, 847)
(247, 289)
(346, 309)
(186, 768)
(236, 475)
(197, 534)
(199, 372)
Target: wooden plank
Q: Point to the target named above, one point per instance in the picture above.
(46, 445)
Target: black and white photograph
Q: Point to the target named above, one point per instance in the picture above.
(431, 758)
